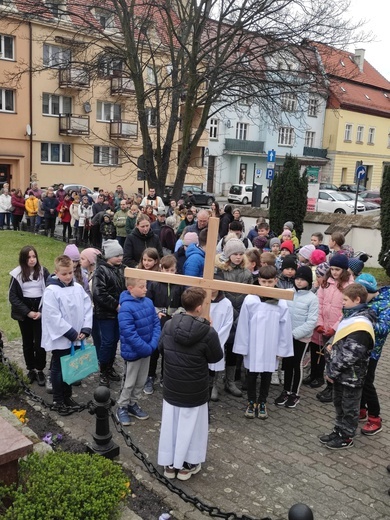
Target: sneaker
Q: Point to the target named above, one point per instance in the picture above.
(113, 375)
(41, 380)
(136, 411)
(262, 411)
(71, 403)
(324, 439)
(372, 426)
(292, 401)
(280, 401)
(148, 388)
(340, 443)
(251, 410)
(48, 384)
(316, 383)
(326, 396)
(188, 470)
(307, 380)
(169, 472)
(362, 414)
(275, 378)
(104, 380)
(123, 417)
(31, 376)
(61, 409)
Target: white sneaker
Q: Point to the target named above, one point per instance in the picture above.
(275, 378)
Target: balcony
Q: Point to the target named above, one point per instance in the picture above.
(71, 124)
(122, 85)
(73, 77)
(315, 152)
(123, 130)
(233, 146)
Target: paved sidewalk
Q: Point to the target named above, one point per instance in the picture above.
(262, 468)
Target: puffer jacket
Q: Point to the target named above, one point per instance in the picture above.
(165, 295)
(19, 205)
(5, 203)
(139, 327)
(135, 245)
(189, 344)
(284, 282)
(304, 314)
(330, 302)
(347, 362)
(235, 273)
(50, 203)
(381, 306)
(194, 264)
(108, 283)
(31, 206)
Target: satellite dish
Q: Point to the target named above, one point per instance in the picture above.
(87, 107)
(28, 129)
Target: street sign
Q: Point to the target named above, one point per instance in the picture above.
(258, 172)
(269, 175)
(271, 156)
(360, 172)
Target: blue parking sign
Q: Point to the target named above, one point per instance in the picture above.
(270, 174)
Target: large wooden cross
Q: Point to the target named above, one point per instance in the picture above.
(207, 282)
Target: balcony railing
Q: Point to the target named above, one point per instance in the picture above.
(242, 146)
(74, 77)
(71, 124)
(315, 152)
(122, 85)
(123, 130)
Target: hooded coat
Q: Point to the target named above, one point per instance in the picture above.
(135, 245)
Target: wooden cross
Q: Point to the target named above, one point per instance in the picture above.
(207, 282)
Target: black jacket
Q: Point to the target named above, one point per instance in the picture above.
(180, 256)
(49, 203)
(188, 344)
(135, 245)
(108, 283)
(224, 222)
(21, 306)
(158, 293)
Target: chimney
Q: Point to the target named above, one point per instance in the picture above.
(359, 58)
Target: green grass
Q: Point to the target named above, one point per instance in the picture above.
(11, 244)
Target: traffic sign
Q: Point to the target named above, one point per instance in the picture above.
(259, 172)
(269, 175)
(360, 172)
(271, 156)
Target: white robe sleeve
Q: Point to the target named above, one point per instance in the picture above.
(285, 346)
(242, 337)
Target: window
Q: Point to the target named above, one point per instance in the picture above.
(213, 128)
(150, 76)
(108, 111)
(55, 153)
(360, 134)
(309, 139)
(7, 100)
(106, 155)
(286, 136)
(241, 131)
(6, 47)
(151, 116)
(53, 105)
(54, 56)
(105, 18)
(312, 110)
(108, 67)
(289, 102)
(56, 8)
(371, 135)
(348, 133)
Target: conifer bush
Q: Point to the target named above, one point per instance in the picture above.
(384, 255)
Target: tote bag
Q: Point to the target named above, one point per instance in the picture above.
(79, 363)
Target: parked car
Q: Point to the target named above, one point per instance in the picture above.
(242, 194)
(350, 187)
(336, 202)
(372, 196)
(328, 186)
(368, 204)
(202, 198)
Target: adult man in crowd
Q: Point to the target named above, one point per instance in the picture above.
(153, 200)
(201, 223)
(160, 222)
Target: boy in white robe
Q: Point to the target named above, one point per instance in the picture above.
(263, 333)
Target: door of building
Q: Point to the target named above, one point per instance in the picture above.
(5, 174)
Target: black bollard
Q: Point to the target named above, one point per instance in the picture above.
(300, 512)
(102, 438)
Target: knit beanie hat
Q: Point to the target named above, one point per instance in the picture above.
(90, 254)
(273, 241)
(355, 265)
(339, 260)
(112, 248)
(260, 242)
(232, 246)
(286, 233)
(287, 244)
(289, 261)
(306, 251)
(368, 281)
(305, 273)
(289, 225)
(72, 251)
(322, 269)
(317, 257)
(190, 238)
(171, 222)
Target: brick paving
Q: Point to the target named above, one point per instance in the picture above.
(261, 468)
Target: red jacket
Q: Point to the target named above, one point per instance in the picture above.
(18, 204)
(63, 207)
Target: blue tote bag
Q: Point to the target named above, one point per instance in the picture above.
(79, 363)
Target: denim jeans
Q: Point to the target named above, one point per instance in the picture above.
(346, 400)
(61, 390)
(5, 218)
(109, 336)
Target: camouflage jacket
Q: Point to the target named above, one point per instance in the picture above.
(381, 306)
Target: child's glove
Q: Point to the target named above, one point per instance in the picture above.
(320, 329)
(329, 332)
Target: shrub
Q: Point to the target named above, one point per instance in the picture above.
(8, 384)
(66, 486)
(384, 256)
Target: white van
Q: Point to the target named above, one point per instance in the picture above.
(242, 194)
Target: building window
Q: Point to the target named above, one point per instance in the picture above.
(7, 100)
(150, 76)
(56, 8)
(359, 134)
(55, 153)
(108, 112)
(108, 67)
(286, 136)
(289, 102)
(105, 18)
(6, 47)
(213, 129)
(53, 105)
(151, 116)
(55, 57)
(309, 139)
(371, 135)
(312, 110)
(106, 155)
(242, 131)
(348, 133)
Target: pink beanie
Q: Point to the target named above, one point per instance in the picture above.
(286, 233)
(90, 254)
(306, 251)
(317, 257)
(73, 253)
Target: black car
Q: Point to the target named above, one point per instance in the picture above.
(351, 188)
(201, 197)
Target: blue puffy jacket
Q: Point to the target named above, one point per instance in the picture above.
(139, 327)
(194, 264)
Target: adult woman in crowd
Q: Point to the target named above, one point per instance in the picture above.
(215, 209)
(5, 209)
(17, 201)
(138, 240)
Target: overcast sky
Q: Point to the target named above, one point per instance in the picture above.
(376, 13)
